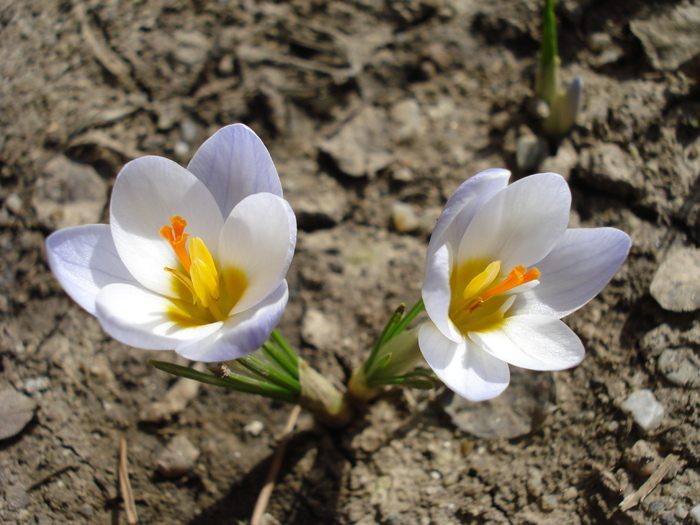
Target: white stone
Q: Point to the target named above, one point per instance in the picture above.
(644, 408)
(254, 428)
(695, 513)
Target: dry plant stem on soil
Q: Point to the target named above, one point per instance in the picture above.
(266, 491)
(125, 486)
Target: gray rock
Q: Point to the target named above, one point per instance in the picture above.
(671, 37)
(530, 150)
(676, 283)
(191, 48)
(695, 513)
(361, 146)
(612, 169)
(178, 458)
(642, 459)
(14, 203)
(681, 366)
(563, 162)
(69, 194)
(318, 330)
(17, 497)
(644, 408)
(318, 200)
(408, 118)
(16, 410)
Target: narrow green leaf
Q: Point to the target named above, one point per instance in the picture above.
(269, 374)
(280, 357)
(410, 316)
(278, 338)
(384, 336)
(234, 381)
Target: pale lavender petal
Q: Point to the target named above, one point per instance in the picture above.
(147, 192)
(521, 224)
(463, 367)
(234, 163)
(258, 238)
(243, 333)
(85, 260)
(436, 292)
(463, 205)
(138, 317)
(535, 342)
(575, 271)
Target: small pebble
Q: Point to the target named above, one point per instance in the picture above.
(681, 366)
(549, 502)
(641, 458)
(178, 458)
(676, 283)
(254, 428)
(181, 148)
(569, 494)
(695, 513)
(16, 410)
(36, 384)
(680, 511)
(644, 408)
(404, 217)
(14, 203)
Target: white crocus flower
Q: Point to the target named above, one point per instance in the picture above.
(502, 270)
(194, 259)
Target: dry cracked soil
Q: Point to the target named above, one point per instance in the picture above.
(374, 112)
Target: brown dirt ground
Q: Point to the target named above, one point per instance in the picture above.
(362, 104)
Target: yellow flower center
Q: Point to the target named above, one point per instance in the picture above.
(477, 304)
(211, 296)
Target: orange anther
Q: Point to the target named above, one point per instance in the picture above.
(177, 238)
(516, 277)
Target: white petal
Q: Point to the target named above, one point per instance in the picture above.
(521, 224)
(137, 317)
(259, 238)
(535, 342)
(463, 205)
(85, 260)
(147, 192)
(241, 334)
(463, 367)
(578, 267)
(234, 163)
(436, 292)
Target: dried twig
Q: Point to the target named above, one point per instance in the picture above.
(266, 491)
(125, 486)
(650, 484)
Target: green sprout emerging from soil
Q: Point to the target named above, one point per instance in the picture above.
(563, 101)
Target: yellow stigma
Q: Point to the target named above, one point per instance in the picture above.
(479, 304)
(209, 293)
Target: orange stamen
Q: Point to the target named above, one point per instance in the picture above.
(516, 277)
(177, 238)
